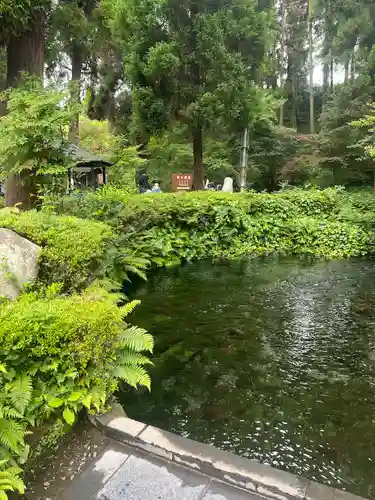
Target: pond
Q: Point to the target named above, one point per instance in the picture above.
(273, 360)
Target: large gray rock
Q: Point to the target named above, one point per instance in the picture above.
(18, 263)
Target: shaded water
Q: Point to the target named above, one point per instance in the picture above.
(272, 360)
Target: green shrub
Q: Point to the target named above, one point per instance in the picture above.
(170, 228)
(117, 207)
(61, 354)
(73, 249)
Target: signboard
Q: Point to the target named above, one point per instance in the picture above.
(182, 182)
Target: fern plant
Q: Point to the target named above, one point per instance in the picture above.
(130, 361)
(119, 264)
(10, 480)
(15, 396)
(59, 355)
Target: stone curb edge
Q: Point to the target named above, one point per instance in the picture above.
(246, 474)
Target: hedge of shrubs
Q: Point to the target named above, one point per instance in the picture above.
(170, 228)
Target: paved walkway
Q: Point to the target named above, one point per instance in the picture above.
(120, 473)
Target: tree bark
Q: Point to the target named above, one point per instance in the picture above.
(331, 71)
(198, 170)
(346, 71)
(282, 50)
(3, 78)
(311, 72)
(325, 77)
(25, 55)
(26, 51)
(75, 92)
(21, 190)
(293, 117)
(352, 67)
(111, 111)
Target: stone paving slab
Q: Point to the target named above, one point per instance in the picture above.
(248, 475)
(96, 475)
(141, 478)
(122, 473)
(221, 491)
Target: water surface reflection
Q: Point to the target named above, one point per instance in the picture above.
(273, 360)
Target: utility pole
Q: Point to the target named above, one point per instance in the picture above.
(311, 69)
(243, 173)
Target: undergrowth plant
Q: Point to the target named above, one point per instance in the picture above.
(15, 395)
(168, 229)
(61, 355)
(75, 252)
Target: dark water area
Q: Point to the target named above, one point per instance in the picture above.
(273, 360)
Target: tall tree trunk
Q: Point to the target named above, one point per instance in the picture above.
(346, 71)
(326, 50)
(352, 67)
(26, 51)
(282, 50)
(3, 78)
(311, 72)
(75, 92)
(331, 71)
(111, 111)
(293, 117)
(111, 77)
(325, 77)
(198, 171)
(25, 55)
(21, 190)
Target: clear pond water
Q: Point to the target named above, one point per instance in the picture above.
(270, 359)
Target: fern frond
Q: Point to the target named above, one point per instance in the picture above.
(129, 357)
(137, 271)
(21, 390)
(128, 308)
(8, 412)
(12, 434)
(133, 375)
(12, 471)
(136, 261)
(10, 481)
(137, 339)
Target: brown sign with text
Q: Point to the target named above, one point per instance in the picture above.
(182, 182)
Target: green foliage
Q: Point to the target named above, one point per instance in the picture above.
(341, 146)
(15, 15)
(171, 228)
(123, 173)
(73, 250)
(194, 64)
(60, 355)
(10, 480)
(94, 136)
(15, 395)
(33, 132)
(367, 123)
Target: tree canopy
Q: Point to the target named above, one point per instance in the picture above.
(179, 82)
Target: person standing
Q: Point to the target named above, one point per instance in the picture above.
(143, 182)
(156, 188)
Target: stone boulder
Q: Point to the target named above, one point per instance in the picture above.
(18, 263)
